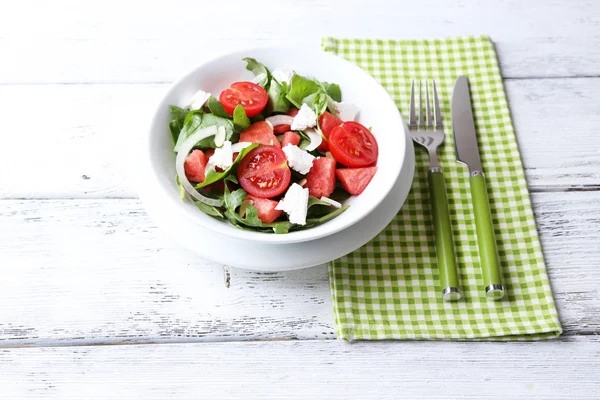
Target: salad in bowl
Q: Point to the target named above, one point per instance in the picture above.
(278, 153)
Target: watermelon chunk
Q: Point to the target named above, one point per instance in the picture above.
(320, 180)
(290, 138)
(260, 132)
(355, 180)
(265, 207)
(194, 166)
(281, 128)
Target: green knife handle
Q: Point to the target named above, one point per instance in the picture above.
(443, 236)
(488, 253)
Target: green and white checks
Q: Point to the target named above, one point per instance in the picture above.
(388, 289)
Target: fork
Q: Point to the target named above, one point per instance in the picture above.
(429, 133)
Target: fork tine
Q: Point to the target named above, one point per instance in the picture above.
(429, 117)
(436, 108)
(412, 123)
(421, 109)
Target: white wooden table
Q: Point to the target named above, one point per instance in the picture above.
(86, 274)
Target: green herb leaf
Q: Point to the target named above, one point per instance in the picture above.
(240, 119)
(333, 90)
(178, 116)
(215, 107)
(277, 101)
(180, 187)
(209, 210)
(258, 68)
(212, 175)
(327, 217)
(301, 88)
(197, 120)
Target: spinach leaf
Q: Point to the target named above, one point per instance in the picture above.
(304, 140)
(198, 120)
(215, 107)
(327, 217)
(277, 100)
(257, 68)
(180, 188)
(212, 176)
(333, 90)
(240, 119)
(178, 115)
(300, 88)
(209, 210)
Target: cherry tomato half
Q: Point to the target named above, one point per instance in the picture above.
(353, 145)
(264, 172)
(251, 96)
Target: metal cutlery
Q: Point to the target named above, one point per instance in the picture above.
(429, 133)
(467, 153)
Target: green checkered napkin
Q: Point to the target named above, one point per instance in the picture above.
(388, 289)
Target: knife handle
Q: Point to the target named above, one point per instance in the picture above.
(488, 253)
(444, 245)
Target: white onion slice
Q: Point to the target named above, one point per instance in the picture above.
(220, 136)
(280, 119)
(331, 201)
(239, 146)
(184, 150)
(315, 139)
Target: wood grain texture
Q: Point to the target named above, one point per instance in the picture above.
(99, 271)
(84, 137)
(151, 41)
(306, 370)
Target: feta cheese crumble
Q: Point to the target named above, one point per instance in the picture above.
(198, 100)
(295, 204)
(222, 157)
(306, 118)
(298, 159)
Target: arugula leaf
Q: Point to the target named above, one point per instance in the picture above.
(215, 107)
(277, 100)
(333, 90)
(240, 119)
(300, 88)
(196, 120)
(258, 68)
(209, 210)
(178, 116)
(327, 217)
(212, 175)
(180, 187)
(304, 140)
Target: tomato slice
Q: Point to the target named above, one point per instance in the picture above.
(290, 138)
(194, 166)
(355, 180)
(264, 172)
(320, 181)
(353, 145)
(327, 122)
(259, 132)
(250, 95)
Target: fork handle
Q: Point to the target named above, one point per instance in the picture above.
(443, 236)
(486, 242)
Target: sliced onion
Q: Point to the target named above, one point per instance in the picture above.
(281, 119)
(259, 78)
(331, 201)
(315, 139)
(220, 136)
(184, 150)
(302, 182)
(239, 146)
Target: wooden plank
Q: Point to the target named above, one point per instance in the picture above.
(306, 369)
(99, 271)
(152, 41)
(82, 143)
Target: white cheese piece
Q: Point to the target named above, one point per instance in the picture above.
(306, 118)
(295, 204)
(222, 157)
(220, 136)
(344, 111)
(298, 159)
(283, 75)
(198, 100)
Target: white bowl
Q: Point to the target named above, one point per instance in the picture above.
(377, 110)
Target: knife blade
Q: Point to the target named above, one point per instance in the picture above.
(467, 152)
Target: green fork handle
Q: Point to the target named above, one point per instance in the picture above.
(443, 236)
(488, 253)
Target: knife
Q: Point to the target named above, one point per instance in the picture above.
(467, 153)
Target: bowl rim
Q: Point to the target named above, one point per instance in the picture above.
(313, 233)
